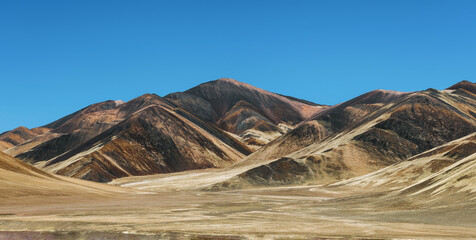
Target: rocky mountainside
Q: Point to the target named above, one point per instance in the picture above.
(143, 136)
(464, 86)
(154, 140)
(328, 122)
(270, 139)
(360, 136)
(256, 115)
(151, 134)
(78, 128)
(19, 135)
(70, 131)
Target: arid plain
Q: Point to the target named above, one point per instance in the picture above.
(299, 212)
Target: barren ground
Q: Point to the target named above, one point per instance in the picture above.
(164, 210)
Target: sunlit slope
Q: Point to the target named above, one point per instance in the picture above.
(21, 182)
(405, 126)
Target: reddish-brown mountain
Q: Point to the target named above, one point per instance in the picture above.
(219, 123)
(115, 139)
(464, 85)
(19, 135)
(143, 136)
(250, 112)
(360, 136)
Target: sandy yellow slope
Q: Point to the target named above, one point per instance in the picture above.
(20, 182)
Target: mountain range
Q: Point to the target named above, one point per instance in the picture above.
(214, 124)
(227, 123)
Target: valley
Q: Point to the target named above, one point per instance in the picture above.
(298, 212)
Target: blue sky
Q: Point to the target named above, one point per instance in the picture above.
(59, 56)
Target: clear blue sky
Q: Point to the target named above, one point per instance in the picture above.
(59, 56)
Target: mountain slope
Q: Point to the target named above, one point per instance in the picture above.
(247, 111)
(238, 107)
(69, 131)
(211, 101)
(143, 136)
(464, 85)
(418, 167)
(155, 139)
(392, 132)
(77, 128)
(19, 180)
(327, 122)
(18, 136)
(445, 174)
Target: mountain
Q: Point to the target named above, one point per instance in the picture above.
(360, 136)
(69, 132)
(256, 115)
(19, 135)
(274, 139)
(327, 122)
(464, 86)
(212, 125)
(146, 135)
(246, 112)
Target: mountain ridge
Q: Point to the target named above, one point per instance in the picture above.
(223, 123)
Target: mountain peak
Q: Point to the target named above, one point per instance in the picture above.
(227, 80)
(119, 102)
(148, 95)
(466, 85)
(231, 81)
(21, 128)
(465, 82)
